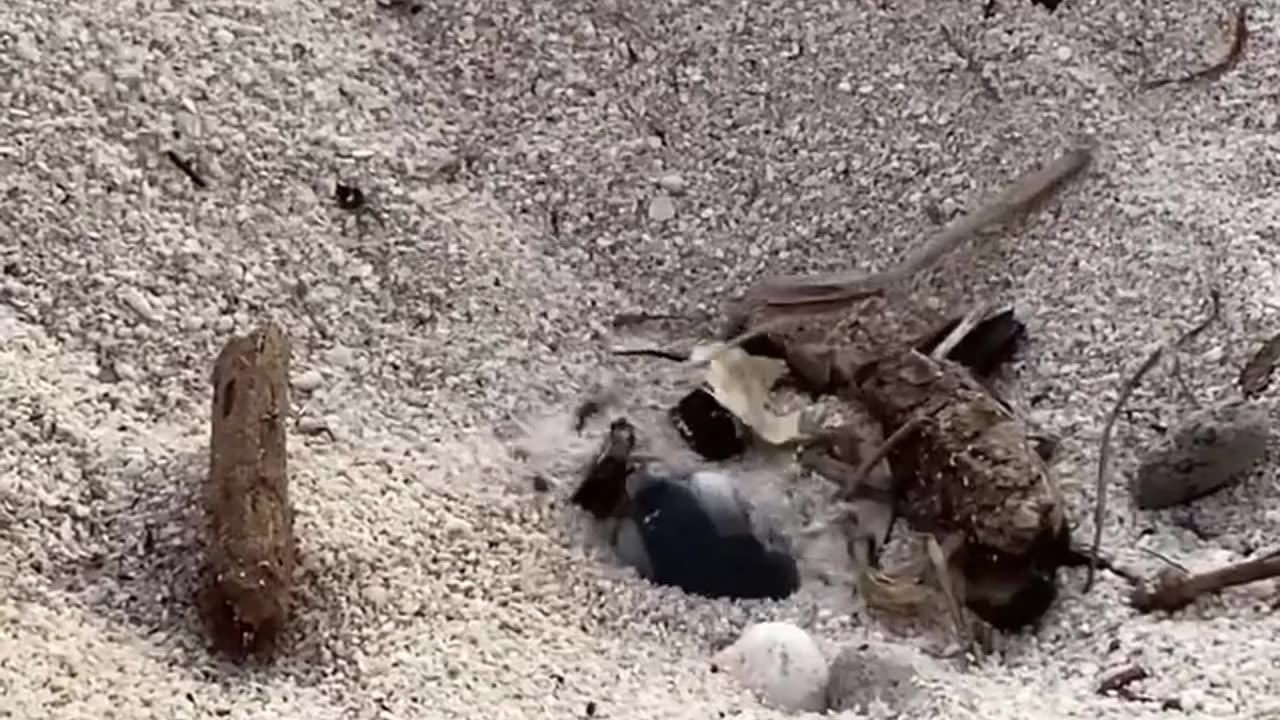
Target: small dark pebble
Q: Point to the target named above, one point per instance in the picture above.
(348, 197)
(604, 485)
(591, 709)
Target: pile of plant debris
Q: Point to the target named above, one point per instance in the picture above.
(905, 425)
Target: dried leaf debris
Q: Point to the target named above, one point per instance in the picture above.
(1255, 377)
(742, 384)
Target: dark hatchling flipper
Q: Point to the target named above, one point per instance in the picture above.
(603, 489)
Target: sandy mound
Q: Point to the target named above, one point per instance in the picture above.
(510, 153)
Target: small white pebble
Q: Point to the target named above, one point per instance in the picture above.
(457, 526)
(662, 208)
(308, 381)
(341, 356)
(139, 304)
(312, 425)
(781, 663)
(673, 183)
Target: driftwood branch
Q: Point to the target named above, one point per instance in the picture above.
(1104, 454)
(1175, 589)
(845, 287)
(245, 598)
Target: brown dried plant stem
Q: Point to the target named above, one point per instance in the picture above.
(807, 295)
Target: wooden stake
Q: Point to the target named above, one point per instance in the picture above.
(245, 596)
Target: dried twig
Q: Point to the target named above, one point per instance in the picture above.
(939, 560)
(859, 478)
(805, 295)
(966, 325)
(970, 62)
(1104, 454)
(1240, 37)
(665, 354)
(630, 319)
(188, 168)
(1175, 589)
(1187, 393)
(1118, 682)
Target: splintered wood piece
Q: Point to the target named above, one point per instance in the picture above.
(245, 596)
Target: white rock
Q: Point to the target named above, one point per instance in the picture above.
(308, 381)
(341, 355)
(311, 425)
(662, 208)
(781, 663)
(139, 304)
(865, 675)
(673, 183)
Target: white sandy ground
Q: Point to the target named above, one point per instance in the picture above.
(437, 584)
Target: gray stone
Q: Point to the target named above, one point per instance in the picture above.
(308, 381)
(1210, 450)
(874, 673)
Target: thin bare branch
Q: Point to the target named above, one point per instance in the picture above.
(1104, 454)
